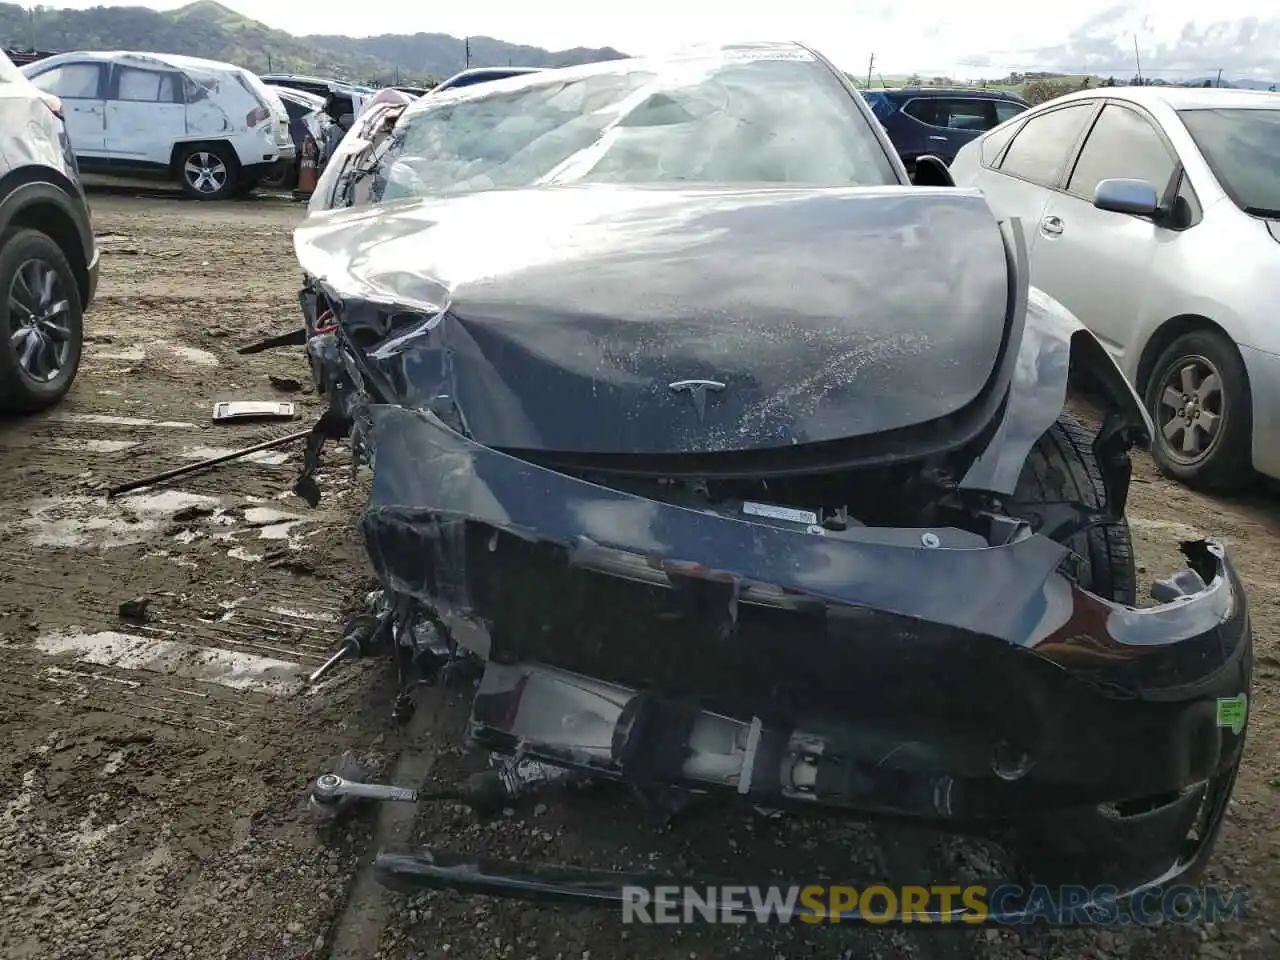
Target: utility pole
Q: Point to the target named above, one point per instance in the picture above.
(870, 64)
(1218, 83)
(1137, 58)
(468, 43)
(31, 15)
(269, 69)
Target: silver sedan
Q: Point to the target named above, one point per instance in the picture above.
(1153, 215)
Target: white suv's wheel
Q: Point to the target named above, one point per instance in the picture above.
(208, 173)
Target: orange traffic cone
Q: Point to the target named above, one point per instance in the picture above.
(307, 175)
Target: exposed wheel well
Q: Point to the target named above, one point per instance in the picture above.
(175, 158)
(52, 220)
(1168, 332)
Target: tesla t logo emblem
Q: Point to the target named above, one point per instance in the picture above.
(697, 390)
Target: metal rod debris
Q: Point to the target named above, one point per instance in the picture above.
(203, 464)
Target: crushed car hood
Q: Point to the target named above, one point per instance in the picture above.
(626, 320)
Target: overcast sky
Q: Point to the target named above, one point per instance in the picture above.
(960, 37)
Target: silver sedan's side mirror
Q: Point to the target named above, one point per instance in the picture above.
(1137, 197)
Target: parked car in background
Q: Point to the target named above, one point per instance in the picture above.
(307, 121)
(939, 120)
(20, 58)
(342, 99)
(213, 127)
(474, 75)
(1153, 214)
(48, 256)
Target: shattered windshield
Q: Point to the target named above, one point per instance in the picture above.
(771, 118)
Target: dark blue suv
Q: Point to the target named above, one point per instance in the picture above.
(939, 120)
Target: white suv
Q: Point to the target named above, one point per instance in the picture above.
(213, 127)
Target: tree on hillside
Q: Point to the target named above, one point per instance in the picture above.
(1038, 91)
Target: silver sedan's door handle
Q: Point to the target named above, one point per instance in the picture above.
(1051, 226)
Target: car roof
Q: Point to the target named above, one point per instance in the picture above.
(480, 73)
(177, 61)
(335, 86)
(301, 96)
(949, 92)
(1182, 98)
(477, 71)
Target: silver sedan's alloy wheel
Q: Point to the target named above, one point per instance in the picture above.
(205, 172)
(40, 318)
(1190, 409)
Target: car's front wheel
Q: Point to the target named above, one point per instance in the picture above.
(1198, 397)
(1062, 467)
(209, 172)
(41, 324)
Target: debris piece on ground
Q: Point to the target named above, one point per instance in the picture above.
(252, 410)
(294, 338)
(285, 384)
(203, 464)
(135, 609)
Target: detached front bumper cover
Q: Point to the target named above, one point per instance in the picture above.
(907, 672)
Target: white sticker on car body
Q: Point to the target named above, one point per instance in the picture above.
(774, 512)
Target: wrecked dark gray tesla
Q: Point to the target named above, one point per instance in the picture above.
(740, 465)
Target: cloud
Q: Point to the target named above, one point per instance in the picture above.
(1171, 48)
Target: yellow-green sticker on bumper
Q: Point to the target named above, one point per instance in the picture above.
(1232, 712)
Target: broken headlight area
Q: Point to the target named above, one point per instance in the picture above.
(965, 678)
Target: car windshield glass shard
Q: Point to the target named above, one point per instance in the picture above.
(706, 120)
(1240, 147)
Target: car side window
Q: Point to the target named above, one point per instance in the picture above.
(1121, 145)
(1007, 110)
(961, 113)
(967, 114)
(1040, 150)
(148, 86)
(71, 81)
(924, 110)
(993, 143)
(296, 111)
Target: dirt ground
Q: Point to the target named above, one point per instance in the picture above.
(153, 772)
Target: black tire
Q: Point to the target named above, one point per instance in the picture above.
(283, 176)
(221, 165)
(247, 186)
(61, 335)
(1225, 461)
(1062, 467)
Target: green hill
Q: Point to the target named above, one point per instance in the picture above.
(441, 55)
(208, 29)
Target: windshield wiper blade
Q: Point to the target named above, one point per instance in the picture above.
(1267, 213)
